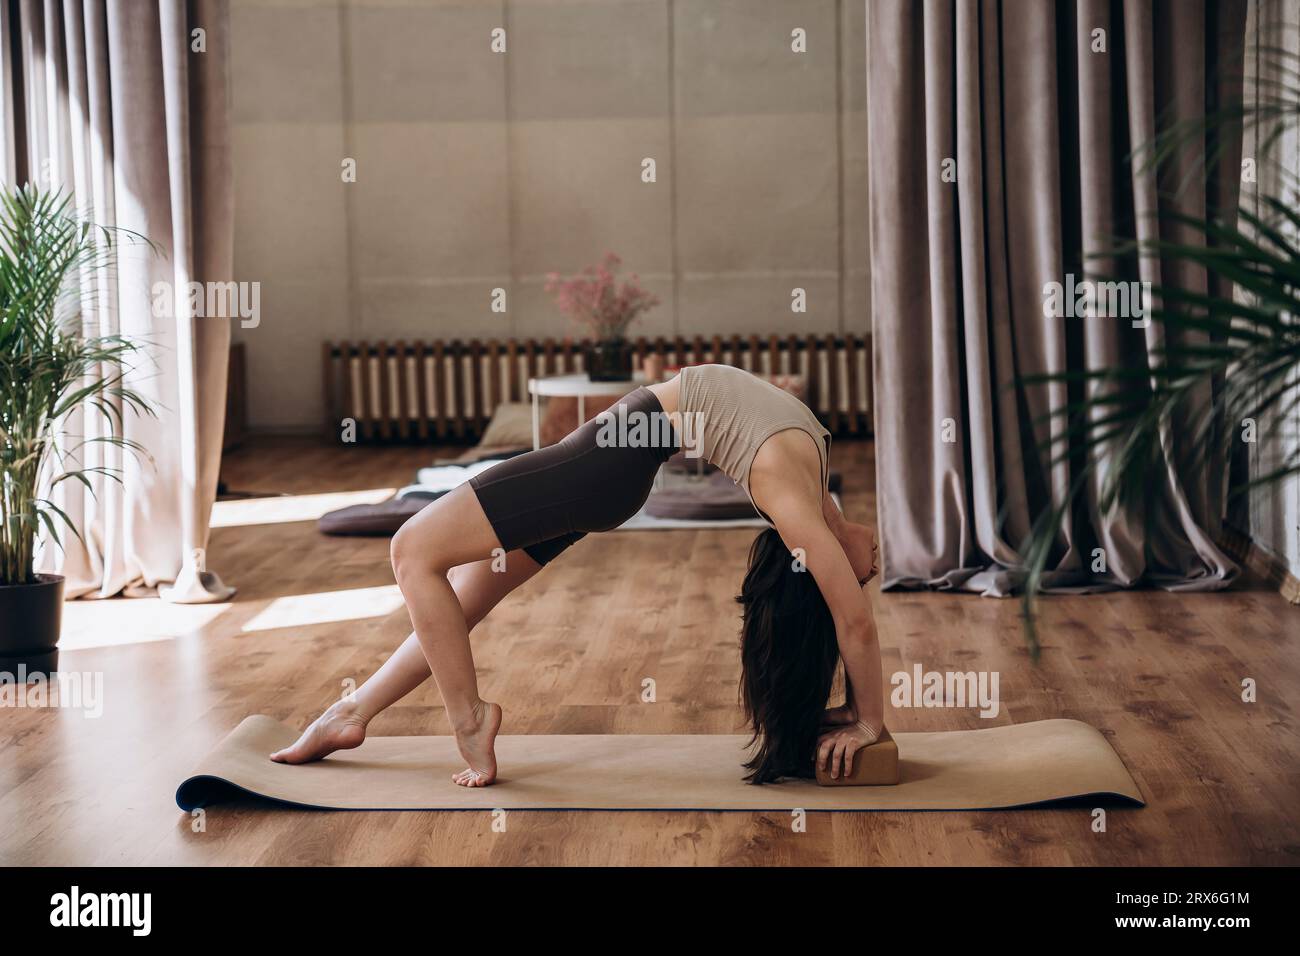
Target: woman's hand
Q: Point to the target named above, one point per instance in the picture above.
(836, 747)
(839, 716)
(875, 564)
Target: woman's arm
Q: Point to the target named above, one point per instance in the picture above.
(803, 528)
(857, 540)
(855, 627)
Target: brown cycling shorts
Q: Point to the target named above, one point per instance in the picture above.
(545, 500)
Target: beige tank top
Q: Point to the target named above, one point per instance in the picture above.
(736, 412)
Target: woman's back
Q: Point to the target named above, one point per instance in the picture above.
(728, 413)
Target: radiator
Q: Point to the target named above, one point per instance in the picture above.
(447, 391)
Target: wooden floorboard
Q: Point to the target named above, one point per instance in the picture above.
(1160, 674)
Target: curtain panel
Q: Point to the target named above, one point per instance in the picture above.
(1000, 133)
(124, 106)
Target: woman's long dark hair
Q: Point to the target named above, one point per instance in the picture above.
(788, 657)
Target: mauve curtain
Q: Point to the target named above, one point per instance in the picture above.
(111, 102)
(1040, 126)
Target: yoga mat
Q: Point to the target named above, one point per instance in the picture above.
(996, 768)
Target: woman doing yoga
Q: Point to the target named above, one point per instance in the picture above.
(803, 604)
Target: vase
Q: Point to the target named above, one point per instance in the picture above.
(610, 360)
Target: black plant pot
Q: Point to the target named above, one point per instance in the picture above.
(610, 361)
(31, 616)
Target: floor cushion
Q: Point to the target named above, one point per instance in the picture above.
(716, 498)
(378, 520)
(511, 425)
(685, 464)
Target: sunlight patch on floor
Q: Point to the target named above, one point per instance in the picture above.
(114, 622)
(301, 610)
(283, 509)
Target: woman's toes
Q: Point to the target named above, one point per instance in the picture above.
(470, 777)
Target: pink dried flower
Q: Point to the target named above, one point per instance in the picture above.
(594, 299)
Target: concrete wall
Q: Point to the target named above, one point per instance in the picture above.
(478, 170)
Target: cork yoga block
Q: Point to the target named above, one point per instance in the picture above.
(873, 766)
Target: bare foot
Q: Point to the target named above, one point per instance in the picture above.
(339, 728)
(476, 746)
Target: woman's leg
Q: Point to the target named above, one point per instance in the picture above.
(452, 531)
(543, 501)
(479, 588)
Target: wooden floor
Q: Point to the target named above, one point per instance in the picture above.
(1160, 674)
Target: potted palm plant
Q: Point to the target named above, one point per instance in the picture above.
(595, 299)
(48, 367)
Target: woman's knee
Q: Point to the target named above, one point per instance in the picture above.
(399, 549)
(417, 550)
(451, 531)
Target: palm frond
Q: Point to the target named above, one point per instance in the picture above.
(48, 368)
